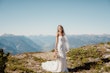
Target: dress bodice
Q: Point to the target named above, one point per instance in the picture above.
(61, 39)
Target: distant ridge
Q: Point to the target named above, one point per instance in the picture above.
(41, 43)
(17, 44)
(74, 40)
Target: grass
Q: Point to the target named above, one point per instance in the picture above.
(106, 68)
(16, 64)
(21, 68)
(21, 64)
(39, 59)
(82, 56)
(88, 58)
(108, 43)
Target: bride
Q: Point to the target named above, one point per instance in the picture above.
(61, 48)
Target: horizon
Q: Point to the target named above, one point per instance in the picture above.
(5, 34)
(40, 17)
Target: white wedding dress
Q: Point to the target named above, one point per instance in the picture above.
(58, 65)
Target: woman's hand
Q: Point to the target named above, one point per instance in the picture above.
(55, 53)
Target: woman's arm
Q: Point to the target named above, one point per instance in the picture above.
(56, 43)
(55, 49)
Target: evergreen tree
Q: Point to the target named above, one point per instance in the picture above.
(3, 60)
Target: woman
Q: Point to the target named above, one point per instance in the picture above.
(61, 48)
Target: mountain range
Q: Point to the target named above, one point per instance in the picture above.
(75, 41)
(19, 44)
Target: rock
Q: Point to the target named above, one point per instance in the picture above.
(106, 56)
(108, 50)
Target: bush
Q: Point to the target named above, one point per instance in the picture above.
(3, 60)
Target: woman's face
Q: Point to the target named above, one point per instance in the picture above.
(59, 29)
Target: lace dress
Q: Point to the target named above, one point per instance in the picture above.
(58, 65)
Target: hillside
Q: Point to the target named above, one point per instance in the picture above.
(18, 44)
(86, 59)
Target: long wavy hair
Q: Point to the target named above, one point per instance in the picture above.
(63, 32)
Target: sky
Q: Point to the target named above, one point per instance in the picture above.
(41, 17)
